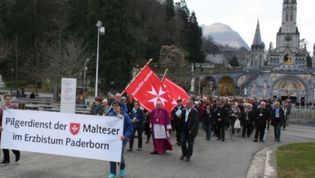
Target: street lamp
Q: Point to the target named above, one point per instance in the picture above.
(100, 30)
(12, 70)
(84, 75)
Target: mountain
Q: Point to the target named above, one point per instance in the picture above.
(224, 35)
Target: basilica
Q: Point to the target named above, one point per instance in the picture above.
(281, 71)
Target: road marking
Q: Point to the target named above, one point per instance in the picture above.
(269, 170)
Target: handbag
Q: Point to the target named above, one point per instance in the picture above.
(237, 124)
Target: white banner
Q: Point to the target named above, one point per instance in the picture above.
(84, 136)
(68, 95)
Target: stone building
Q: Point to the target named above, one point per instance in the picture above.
(281, 72)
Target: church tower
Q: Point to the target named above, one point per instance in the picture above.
(288, 35)
(257, 54)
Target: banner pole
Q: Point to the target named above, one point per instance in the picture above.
(150, 60)
(164, 75)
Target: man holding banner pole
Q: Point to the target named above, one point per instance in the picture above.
(6, 154)
(127, 132)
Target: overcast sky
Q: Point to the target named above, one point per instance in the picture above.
(242, 16)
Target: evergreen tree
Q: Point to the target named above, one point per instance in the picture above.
(135, 29)
(234, 62)
(195, 40)
(116, 47)
(170, 13)
(77, 18)
(309, 61)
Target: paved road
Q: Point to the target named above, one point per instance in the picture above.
(213, 159)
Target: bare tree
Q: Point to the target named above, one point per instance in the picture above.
(65, 59)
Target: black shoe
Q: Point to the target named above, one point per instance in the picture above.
(178, 144)
(139, 149)
(182, 157)
(255, 140)
(262, 141)
(17, 157)
(130, 150)
(5, 162)
(147, 141)
(154, 153)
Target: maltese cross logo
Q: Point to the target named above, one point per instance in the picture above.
(157, 96)
(74, 128)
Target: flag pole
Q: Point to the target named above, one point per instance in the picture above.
(150, 60)
(164, 75)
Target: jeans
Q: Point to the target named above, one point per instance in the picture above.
(112, 165)
(139, 134)
(187, 139)
(286, 121)
(277, 131)
(208, 129)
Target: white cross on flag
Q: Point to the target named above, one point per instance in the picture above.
(148, 90)
(175, 92)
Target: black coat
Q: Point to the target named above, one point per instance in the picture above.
(208, 117)
(261, 116)
(192, 124)
(249, 120)
(221, 116)
(277, 120)
(178, 120)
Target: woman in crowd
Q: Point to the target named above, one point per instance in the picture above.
(127, 132)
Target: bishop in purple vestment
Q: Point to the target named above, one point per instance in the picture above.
(161, 125)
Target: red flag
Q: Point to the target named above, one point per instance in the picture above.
(175, 92)
(148, 90)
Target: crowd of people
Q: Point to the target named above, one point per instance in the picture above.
(214, 115)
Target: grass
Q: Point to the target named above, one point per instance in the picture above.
(296, 161)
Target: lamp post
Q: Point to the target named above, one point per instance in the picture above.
(84, 79)
(100, 31)
(12, 78)
(84, 75)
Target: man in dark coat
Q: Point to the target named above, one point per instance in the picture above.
(221, 117)
(247, 120)
(277, 118)
(190, 125)
(137, 118)
(261, 118)
(177, 118)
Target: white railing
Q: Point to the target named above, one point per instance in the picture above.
(303, 113)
